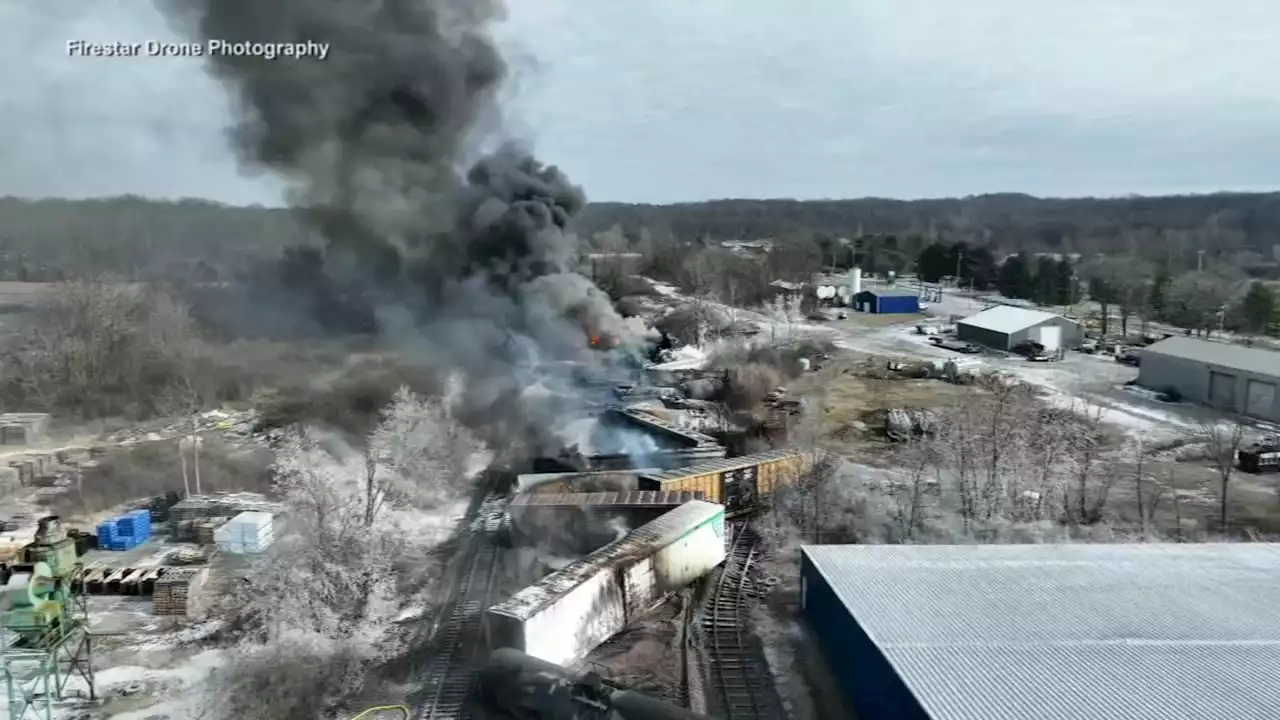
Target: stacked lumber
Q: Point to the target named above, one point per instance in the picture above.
(177, 591)
(207, 528)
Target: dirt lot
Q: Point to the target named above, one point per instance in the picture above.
(848, 395)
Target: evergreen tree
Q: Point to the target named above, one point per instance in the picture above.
(935, 262)
(1014, 279)
(1158, 295)
(980, 269)
(1066, 283)
(1046, 281)
(1258, 308)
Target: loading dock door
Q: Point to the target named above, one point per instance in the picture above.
(1222, 390)
(1261, 400)
(1050, 337)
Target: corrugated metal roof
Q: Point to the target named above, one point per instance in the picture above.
(1229, 355)
(722, 465)
(641, 542)
(1006, 319)
(1062, 632)
(633, 498)
(649, 421)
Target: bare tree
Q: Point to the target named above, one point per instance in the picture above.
(1177, 503)
(105, 349)
(1118, 281)
(784, 312)
(910, 500)
(1222, 440)
(1198, 299)
(420, 453)
(1085, 499)
(329, 590)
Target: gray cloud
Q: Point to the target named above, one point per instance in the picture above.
(671, 100)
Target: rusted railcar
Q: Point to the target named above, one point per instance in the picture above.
(741, 484)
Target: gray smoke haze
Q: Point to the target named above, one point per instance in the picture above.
(471, 263)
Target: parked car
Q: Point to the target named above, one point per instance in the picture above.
(1028, 348)
(1128, 357)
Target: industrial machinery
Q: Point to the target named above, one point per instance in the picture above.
(516, 686)
(44, 636)
(37, 590)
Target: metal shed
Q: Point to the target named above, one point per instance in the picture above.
(1002, 327)
(1054, 632)
(886, 302)
(1231, 377)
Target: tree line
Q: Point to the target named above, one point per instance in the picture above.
(133, 237)
(1238, 228)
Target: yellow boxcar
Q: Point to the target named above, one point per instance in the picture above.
(740, 484)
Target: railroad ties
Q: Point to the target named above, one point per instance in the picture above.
(741, 687)
(458, 644)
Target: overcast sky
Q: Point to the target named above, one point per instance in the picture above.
(670, 100)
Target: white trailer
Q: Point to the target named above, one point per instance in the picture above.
(570, 612)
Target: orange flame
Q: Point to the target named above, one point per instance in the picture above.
(595, 341)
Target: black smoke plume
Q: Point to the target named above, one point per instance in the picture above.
(471, 266)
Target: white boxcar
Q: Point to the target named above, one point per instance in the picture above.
(568, 613)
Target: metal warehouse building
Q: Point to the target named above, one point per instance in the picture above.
(1232, 377)
(1003, 327)
(1051, 632)
(886, 302)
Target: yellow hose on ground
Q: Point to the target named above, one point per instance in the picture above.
(379, 708)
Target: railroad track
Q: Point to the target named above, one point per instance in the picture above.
(740, 684)
(458, 645)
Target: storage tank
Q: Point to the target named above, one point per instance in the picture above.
(855, 282)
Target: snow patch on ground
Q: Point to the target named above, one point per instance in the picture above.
(684, 358)
(135, 692)
(178, 684)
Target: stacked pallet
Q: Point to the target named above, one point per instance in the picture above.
(205, 530)
(177, 592)
(125, 532)
(184, 515)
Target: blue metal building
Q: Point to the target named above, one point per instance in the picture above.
(886, 302)
(1052, 632)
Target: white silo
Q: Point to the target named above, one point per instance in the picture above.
(855, 282)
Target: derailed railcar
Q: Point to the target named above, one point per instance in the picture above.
(741, 484)
(580, 523)
(568, 613)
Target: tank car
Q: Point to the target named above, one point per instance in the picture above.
(516, 686)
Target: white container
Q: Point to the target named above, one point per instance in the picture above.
(570, 612)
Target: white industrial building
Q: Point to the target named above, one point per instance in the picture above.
(1002, 327)
(1231, 377)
